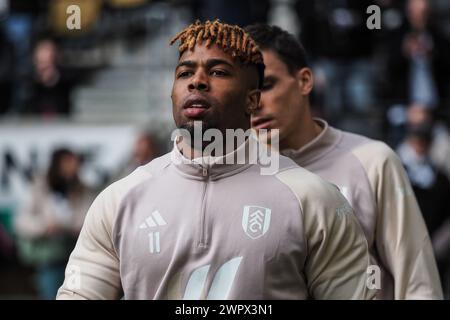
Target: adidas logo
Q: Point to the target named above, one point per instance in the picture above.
(153, 220)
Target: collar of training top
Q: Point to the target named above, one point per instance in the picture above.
(317, 147)
(210, 167)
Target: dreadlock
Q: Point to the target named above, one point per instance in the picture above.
(232, 39)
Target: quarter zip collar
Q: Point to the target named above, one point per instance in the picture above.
(316, 148)
(216, 167)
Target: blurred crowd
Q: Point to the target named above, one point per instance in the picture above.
(392, 84)
(41, 58)
(48, 223)
(359, 71)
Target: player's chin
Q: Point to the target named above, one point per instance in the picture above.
(199, 125)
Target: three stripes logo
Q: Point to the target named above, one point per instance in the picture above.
(153, 220)
(256, 221)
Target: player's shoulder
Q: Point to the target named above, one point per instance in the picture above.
(285, 163)
(122, 187)
(157, 165)
(289, 168)
(108, 202)
(290, 174)
(304, 183)
(370, 152)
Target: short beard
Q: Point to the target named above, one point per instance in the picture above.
(189, 127)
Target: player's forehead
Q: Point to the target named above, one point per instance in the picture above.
(201, 54)
(274, 65)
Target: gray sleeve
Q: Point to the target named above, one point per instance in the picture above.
(402, 239)
(337, 252)
(93, 268)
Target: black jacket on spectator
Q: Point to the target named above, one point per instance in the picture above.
(396, 84)
(6, 71)
(434, 202)
(335, 29)
(54, 100)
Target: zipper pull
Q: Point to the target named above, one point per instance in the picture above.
(205, 172)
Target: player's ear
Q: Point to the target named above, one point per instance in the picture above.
(305, 80)
(253, 98)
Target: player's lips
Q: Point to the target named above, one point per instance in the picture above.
(262, 122)
(195, 107)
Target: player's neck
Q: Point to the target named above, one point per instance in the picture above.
(306, 131)
(192, 153)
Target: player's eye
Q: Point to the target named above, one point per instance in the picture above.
(267, 86)
(219, 73)
(184, 74)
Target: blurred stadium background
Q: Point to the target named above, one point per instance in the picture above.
(103, 92)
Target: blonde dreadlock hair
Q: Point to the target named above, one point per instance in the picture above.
(231, 38)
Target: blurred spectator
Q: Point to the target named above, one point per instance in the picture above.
(440, 136)
(431, 188)
(145, 149)
(336, 37)
(50, 93)
(49, 224)
(6, 71)
(393, 18)
(418, 65)
(6, 245)
(233, 11)
(19, 29)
